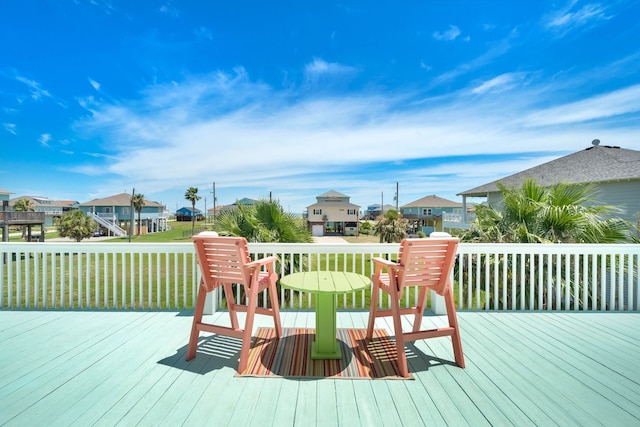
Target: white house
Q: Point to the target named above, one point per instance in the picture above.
(333, 214)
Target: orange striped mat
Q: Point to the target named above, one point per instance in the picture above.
(290, 356)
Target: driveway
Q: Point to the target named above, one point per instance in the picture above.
(330, 239)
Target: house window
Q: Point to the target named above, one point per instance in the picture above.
(351, 212)
(317, 211)
(125, 211)
(426, 211)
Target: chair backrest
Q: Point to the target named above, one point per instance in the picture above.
(427, 262)
(222, 260)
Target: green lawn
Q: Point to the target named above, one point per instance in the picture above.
(180, 232)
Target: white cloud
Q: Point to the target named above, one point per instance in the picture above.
(44, 139)
(498, 84)
(498, 49)
(574, 16)
(617, 103)
(319, 67)
(10, 127)
(36, 91)
(203, 33)
(95, 84)
(249, 137)
(451, 34)
(170, 9)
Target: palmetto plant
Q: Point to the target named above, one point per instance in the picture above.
(267, 222)
(76, 225)
(391, 227)
(533, 214)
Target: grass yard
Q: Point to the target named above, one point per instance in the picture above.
(180, 232)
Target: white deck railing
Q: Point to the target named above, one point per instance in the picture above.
(146, 276)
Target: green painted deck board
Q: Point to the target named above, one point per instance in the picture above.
(580, 386)
(523, 368)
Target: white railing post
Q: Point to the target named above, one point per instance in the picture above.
(437, 301)
(437, 304)
(211, 302)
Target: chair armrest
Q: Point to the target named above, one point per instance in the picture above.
(380, 263)
(262, 261)
(384, 262)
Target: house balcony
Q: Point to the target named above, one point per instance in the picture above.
(451, 221)
(21, 218)
(96, 333)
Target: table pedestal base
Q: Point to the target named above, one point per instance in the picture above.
(325, 345)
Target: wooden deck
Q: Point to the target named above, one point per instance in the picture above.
(127, 368)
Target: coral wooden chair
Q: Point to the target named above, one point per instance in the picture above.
(426, 263)
(225, 261)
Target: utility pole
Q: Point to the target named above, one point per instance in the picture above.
(133, 193)
(214, 202)
(205, 211)
(396, 197)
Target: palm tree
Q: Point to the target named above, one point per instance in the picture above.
(391, 227)
(76, 225)
(138, 202)
(192, 196)
(23, 205)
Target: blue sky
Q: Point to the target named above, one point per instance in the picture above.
(294, 98)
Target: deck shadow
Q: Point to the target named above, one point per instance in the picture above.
(214, 352)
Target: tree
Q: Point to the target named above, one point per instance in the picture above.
(264, 221)
(76, 225)
(391, 227)
(138, 202)
(192, 196)
(23, 205)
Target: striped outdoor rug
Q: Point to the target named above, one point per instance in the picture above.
(290, 356)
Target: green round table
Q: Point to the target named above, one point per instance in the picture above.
(326, 285)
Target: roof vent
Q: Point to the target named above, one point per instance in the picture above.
(596, 142)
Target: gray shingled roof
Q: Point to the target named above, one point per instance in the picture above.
(595, 164)
(432, 201)
(43, 201)
(332, 193)
(334, 204)
(123, 199)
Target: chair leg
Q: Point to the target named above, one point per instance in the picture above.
(375, 290)
(231, 303)
(197, 318)
(275, 306)
(248, 329)
(453, 322)
(422, 300)
(397, 327)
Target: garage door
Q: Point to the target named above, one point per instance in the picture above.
(317, 230)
